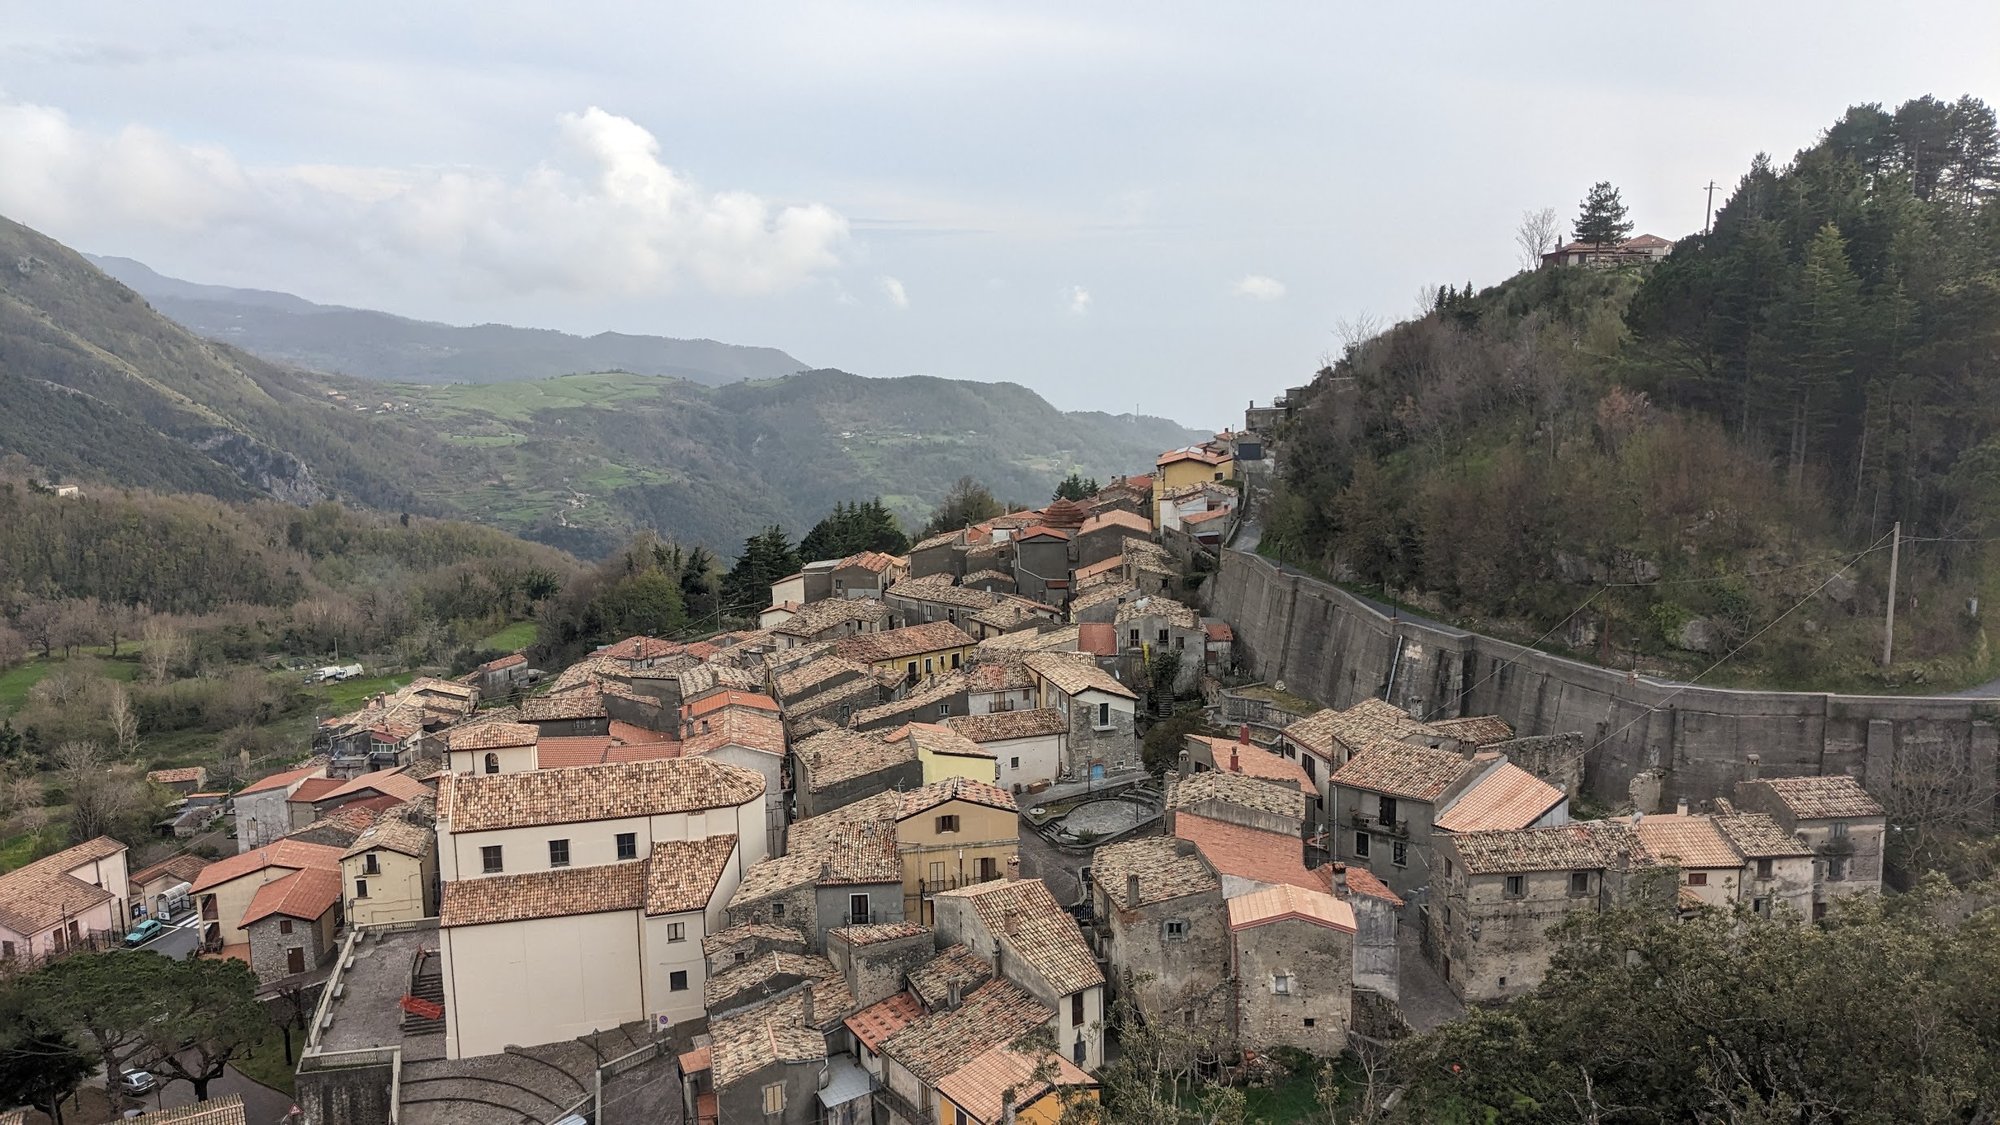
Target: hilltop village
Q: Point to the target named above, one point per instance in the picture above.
(901, 852)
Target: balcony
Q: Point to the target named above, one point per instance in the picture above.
(1376, 826)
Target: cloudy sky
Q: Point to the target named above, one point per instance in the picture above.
(1157, 204)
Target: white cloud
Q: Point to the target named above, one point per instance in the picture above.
(1257, 287)
(897, 295)
(1078, 299)
(611, 218)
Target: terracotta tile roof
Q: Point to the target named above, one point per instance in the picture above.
(1098, 638)
(1013, 613)
(747, 1042)
(1001, 674)
(1164, 873)
(937, 691)
(878, 1021)
(1480, 730)
(997, 1012)
(435, 686)
(1507, 797)
(753, 730)
(1285, 902)
(1042, 531)
(682, 874)
(1023, 916)
(37, 896)
(817, 617)
(1073, 675)
(312, 789)
(1174, 613)
(954, 964)
(858, 695)
(180, 868)
(307, 894)
(1219, 631)
(1024, 641)
(1370, 720)
(808, 677)
(396, 834)
(1589, 844)
(584, 702)
(558, 893)
(702, 678)
(900, 644)
(940, 539)
(1261, 857)
(878, 932)
(1690, 841)
(699, 1059)
(1236, 789)
(640, 648)
(1414, 773)
(193, 774)
(1142, 557)
(1110, 593)
(850, 846)
(1758, 836)
(512, 660)
(1193, 453)
(839, 756)
(955, 789)
(1823, 798)
(611, 791)
(831, 998)
(285, 779)
(1000, 726)
(224, 1110)
(962, 597)
(874, 561)
(1362, 881)
(278, 853)
(491, 736)
(754, 932)
(1116, 519)
(935, 739)
(987, 576)
(1111, 565)
(589, 750)
(389, 783)
(1236, 756)
(981, 1087)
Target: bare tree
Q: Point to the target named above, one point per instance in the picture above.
(165, 648)
(101, 797)
(123, 719)
(1934, 795)
(38, 622)
(13, 647)
(1356, 330)
(1537, 235)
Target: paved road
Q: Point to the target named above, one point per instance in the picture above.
(261, 1104)
(179, 941)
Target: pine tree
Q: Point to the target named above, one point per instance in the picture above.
(1602, 220)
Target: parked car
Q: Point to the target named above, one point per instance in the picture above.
(141, 934)
(136, 1082)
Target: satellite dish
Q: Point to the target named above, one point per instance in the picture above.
(1279, 684)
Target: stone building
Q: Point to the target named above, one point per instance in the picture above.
(293, 923)
(1101, 712)
(1730, 858)
(1165, 930)
(1149, 627)
(1292, 957)
(1016, 926)
(1843, 824)
(839, 767)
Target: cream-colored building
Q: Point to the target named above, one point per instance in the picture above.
(488, 748)
(389, 874)
(577, 899)
(73, 897)
(944, 753)
(950, 834)
(227, 887)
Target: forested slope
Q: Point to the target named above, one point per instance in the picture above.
(1659, 466)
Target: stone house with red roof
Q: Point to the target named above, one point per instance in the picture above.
(293, 923)
(866, 574)
(1841, 822)
(227, 891)
(262, 814)
(1015, 925)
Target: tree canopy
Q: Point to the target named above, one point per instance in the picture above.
(1601, 219)
(1075, 487)
(767, 556)
(968, 502)
(852, 528)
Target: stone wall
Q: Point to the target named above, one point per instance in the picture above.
(1317, 963)
(876, 971)
(1328, 645)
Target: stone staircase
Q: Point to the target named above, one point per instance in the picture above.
(426, 984)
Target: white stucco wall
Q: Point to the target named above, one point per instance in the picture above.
(542, 981)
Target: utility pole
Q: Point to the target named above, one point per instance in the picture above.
(1710, 212)
(1889, 626)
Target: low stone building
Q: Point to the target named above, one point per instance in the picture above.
(1016, 926)
(1165, 930)
(839, 767)
(1149, 627)
(878, 958)
(293, 923)
(1292, 957)
(1839, 820)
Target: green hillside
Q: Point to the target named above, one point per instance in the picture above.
(1658, 467)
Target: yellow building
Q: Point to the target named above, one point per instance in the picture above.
(952, 834)
(916, 652)
(978, 1092)
(1193, 464)
(390, 873)
(946, 754)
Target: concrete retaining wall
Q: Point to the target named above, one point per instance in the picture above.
(1328, 645)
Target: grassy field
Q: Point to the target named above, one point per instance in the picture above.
(347, 695)
(16, 682)
(18, 850)
(266, 1064)
(513, 638)
(520, 400)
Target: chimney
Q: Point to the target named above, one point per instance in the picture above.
(1132, 891)
(1340, 880)
(1681, 807)
(952, 996)
(1752, 764)
(1243, 734)
(1007, 1106)
(1235, 761)
(1187, 763)
(1014, 868)
(1011, 921)
(825, 871)
(807, 1007)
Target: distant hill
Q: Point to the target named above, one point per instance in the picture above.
(378, 345)
(98, 386)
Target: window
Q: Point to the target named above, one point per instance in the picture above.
(1839, 830)
(558, 853)
(857, 909)
(777, 912)
(1135, 639)
(7, 950)
(1281, 984)
(628, 845)
(361, 888)
(1309, 1022)
(958, 1116)
(492, 762)
(927, 665)
(742, 955)
(1361, 845)
(371, 864)
(1447, 867)
(1579, 882)
(913, 670)
(677, 931)
(1836, 868)
(1014, 763)
(1763, 869)
(947, 823)
(1312, 768)
(284, 925)
(1697, 878)
(774, 1098)
(989, 868)
(677, 981)
(489, 859)
(944, 709)
(1163, 636)
(937, 873)
(1517, 885)
(954, 660)
(1399, 853)
(1175, 929)
(1762, 906)
(1076, 1009)
(1386, 810)
(1180, 644)
(1104, 714)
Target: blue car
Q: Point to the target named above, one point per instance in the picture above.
(145, 931)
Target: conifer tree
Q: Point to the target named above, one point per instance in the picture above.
(1602, 220)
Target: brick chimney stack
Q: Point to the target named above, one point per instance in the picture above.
(1013, 868)
(1132, 891)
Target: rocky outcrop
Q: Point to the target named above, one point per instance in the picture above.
(273, 472)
